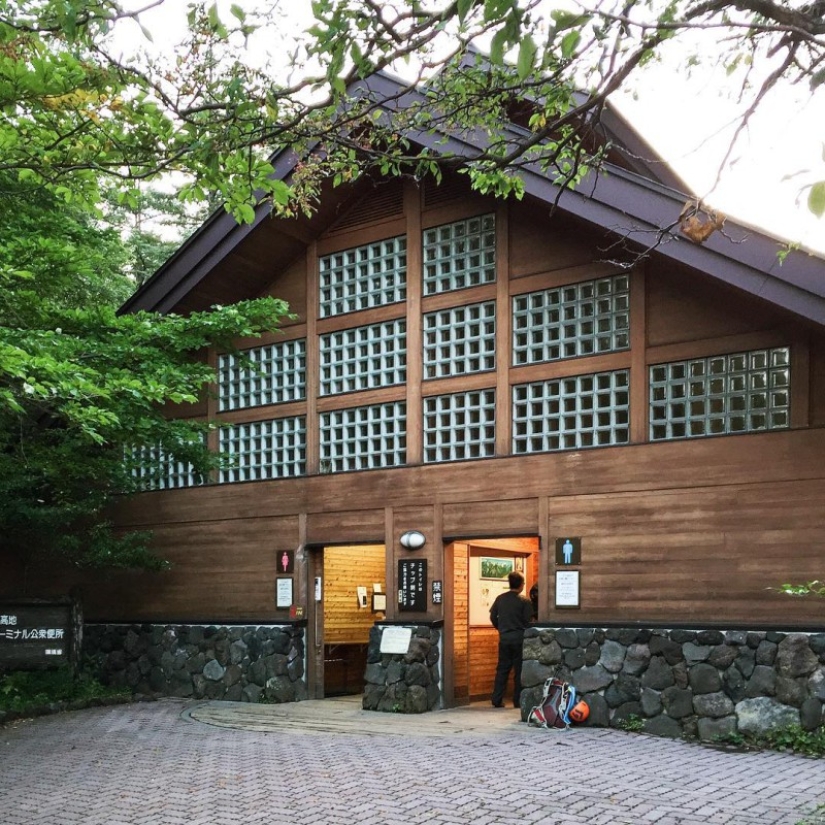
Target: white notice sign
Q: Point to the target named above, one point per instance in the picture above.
(283, 593)
(396, 639)
(567, 588)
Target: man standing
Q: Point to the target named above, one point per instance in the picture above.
(510, 614)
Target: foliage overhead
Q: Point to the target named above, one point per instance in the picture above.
(82, 389)
(80, 386)
(209, 109)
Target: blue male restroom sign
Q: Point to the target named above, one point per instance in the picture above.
(568, 551)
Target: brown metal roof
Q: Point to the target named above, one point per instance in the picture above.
(634, 204)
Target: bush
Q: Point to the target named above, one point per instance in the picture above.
(794, 738)
(25, 691)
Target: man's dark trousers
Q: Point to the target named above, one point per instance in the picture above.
(509, 658)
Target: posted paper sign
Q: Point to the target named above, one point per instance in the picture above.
(396, 640)
(567, 588)
(283, 593)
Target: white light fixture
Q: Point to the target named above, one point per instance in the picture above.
(413, 540)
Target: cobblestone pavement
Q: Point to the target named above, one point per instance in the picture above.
(178, 763)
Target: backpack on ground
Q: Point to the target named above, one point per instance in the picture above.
(558, 698)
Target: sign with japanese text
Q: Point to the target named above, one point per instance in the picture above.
(437, 592)
(412, 585)
(568, 588)
(35, 635)
(396, 640)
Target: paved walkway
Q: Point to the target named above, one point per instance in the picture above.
(329, 763)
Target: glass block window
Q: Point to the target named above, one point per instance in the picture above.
(459, 255)
(364, 438)
(745, 392)
(459, 341)
(581, 319)
(264, 449)
(364, 358)
(571, 413)
(277, 374)
(460, 426)
(155, 469)
(367, 276)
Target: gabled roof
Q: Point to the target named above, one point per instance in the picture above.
(633, 201)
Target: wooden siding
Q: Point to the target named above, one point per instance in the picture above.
(346, 569)
(737, 495)
(540, 243)
(483, 660)
(461, 622)
(684, 307)
(691, 531)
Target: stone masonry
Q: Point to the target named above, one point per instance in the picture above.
(235, 663)
(696, 684)
(398, 683)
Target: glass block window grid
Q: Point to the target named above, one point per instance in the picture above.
(363, 277)
(364, 438)
(364, 358)
(744, 392)
(571, 413)
(460, 426)
(459, 255)
(460, 340)
(264, 449)
(156, 470)
(588, 318)
(277, 375)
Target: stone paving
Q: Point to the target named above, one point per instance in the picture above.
(178, 763)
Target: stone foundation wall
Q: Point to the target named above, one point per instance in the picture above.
(410, 683)
(703, 684)
(237, 663)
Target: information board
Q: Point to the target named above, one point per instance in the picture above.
(412, 585)
(396, 640)
(568, 588)
(36, 634)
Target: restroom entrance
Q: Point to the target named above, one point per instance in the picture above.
(478, 570)
(345, 579)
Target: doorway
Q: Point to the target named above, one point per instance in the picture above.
(346, 578)
(479, 573)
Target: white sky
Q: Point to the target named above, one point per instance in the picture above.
(686, 119)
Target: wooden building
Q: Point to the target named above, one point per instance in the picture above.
(491, 375)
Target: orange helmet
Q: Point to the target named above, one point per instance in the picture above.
(579, 712)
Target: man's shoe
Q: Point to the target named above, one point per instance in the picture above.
(498, 704)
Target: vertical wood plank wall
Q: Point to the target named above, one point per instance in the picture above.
(346, 569)
(461, 621)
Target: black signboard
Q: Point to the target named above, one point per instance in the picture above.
(412, 585)
(37, 634)
(568, 551)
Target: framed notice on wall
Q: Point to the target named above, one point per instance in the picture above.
(568, 588)
(283, 593)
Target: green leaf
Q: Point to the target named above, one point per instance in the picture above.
(464, 7)
(497, 47)
(816, 199)
(244, 213)
(570, 42)
(214, 17)
(567, 20)
(526, 57)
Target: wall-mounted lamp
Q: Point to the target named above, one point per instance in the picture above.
(413, 540)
